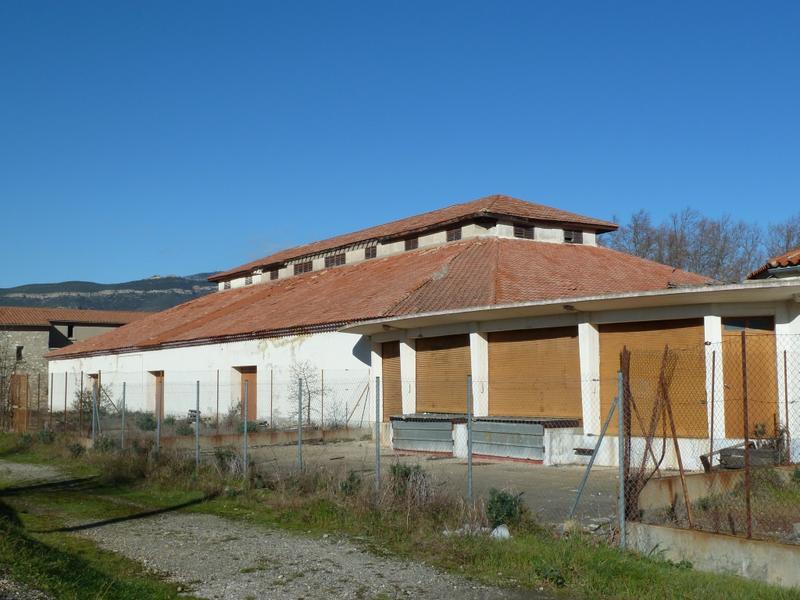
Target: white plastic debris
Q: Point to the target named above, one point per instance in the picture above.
(501, 532)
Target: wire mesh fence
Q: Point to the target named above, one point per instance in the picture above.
(710, 435)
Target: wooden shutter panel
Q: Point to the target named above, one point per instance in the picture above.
(249, 375)
(686, 373)
(535, 373)
(762, 382)
(392, 387)
(443, 365)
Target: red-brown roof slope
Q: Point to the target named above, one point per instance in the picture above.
(788, 259)
(488, 206)
(471, 273)
(42, 317)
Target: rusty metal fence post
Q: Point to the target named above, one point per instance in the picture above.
(621, 460)
(94, 414)
(377, 436)
(746, 425)
(299, 423)
(196, 428)
(122, 428)
(246, 400)
(469, 439)
(786, 426)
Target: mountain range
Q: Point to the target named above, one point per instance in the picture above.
(152, 294)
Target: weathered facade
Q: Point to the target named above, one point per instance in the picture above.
(28, 334)
(516, 296)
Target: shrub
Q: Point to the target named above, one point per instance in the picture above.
(401, 474)
(504, 508)
(145, 422)
(251, 426)
(169, 421)
(796, 475)
(104, 443)
(351, 485)
(45, 436)
(184, 428)
(76, 450)
(704, 503)
(25, 441)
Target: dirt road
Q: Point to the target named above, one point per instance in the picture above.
(213, 557)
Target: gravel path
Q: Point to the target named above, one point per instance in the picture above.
(213, 557)
(217, 558)
(18, 473)
(10, 590)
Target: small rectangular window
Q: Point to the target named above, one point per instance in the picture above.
(412, 243)
(303, 267)
(573, 237)
(454, 234)
(334, 261)
(525, 233)
(370, 252)
(248, 280)
(226, 285)
(70, 331)
(19, 352)
(273, 275)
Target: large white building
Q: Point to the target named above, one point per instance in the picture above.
(518, 296)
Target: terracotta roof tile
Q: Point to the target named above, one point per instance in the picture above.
(788, 259)
(43, 317)
(490, 205)
(470, 273)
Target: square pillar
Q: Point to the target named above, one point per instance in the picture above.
(715, 387)
(589, 352)
(787, 344)
(376, 370)
(408, 375)
(479, 365)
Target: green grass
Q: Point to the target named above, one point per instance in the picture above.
(69, 566)
(575, 566)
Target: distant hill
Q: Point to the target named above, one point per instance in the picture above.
(152, 294)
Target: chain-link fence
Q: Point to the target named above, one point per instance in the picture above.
(711, 434)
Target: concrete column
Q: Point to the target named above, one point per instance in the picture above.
(479, 363)
(715, 387)
(408, 375)
(375, 370)
(787, 340)
(589, 351)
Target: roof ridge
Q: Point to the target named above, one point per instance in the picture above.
(497, 204)
(494, 264)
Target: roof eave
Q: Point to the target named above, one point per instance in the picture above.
(699, 294)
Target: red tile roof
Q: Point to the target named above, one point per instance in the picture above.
(43, 317)
(488, 206)
(788, 259)
(470, 273)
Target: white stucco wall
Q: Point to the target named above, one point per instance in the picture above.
(339, 364)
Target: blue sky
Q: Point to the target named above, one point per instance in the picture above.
(164, 137)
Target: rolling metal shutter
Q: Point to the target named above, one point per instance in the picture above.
(686, 374)
(392, 389)
(535, 373)
(762, 382)
(443, 365)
